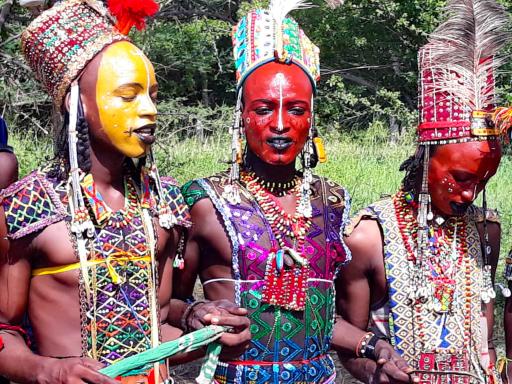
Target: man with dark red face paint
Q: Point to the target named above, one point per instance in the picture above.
(87, 241)
(265, 235)
(424, 260)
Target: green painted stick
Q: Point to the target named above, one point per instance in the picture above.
(186, 343)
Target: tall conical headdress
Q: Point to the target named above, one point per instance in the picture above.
(457, 94)
(266, 35)
(457, 72)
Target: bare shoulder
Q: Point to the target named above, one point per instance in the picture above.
(365, 241)
(8, 170)
(205, 220)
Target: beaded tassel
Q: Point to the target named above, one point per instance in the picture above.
(488, 293)
(231, 191)
(165, 217)
(81, 222)
(305, 207)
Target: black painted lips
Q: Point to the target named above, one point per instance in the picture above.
(146, 133)
(280, 143)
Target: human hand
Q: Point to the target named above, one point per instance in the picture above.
(72, 371)
(225, 313)
(390, 367)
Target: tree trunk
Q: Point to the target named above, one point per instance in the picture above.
(394, 130)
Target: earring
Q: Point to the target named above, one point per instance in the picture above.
(305, 207)
(231, 192)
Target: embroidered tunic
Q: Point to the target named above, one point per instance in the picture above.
(394, 318)
(120, 315)
(287, 346)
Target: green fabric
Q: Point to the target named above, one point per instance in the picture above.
(192, 192)
(190, 342)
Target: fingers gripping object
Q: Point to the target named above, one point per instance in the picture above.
(207, 336)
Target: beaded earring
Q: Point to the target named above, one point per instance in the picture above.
(304, 207)
(231, 191)
(81, 223)
(488, 293)
(165, 217)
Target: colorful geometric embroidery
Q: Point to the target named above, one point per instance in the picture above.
(119, 314)
(30, 205)
(98, 206)
(173, 197)
(287, 346)
(442, 331)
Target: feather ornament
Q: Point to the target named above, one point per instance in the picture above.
(503, 120)
(130, 13)
(465, 50)
(280, 8)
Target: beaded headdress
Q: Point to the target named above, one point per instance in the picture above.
(457, 73)
(266, 35)
(62, 40)
(457, 90)
(261, 37)
(58, 45)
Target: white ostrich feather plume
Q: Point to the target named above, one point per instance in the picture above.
(467, 46)
(280, 8)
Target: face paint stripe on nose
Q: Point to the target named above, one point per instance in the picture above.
(280, 125)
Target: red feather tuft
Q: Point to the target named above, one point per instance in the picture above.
(131, 13)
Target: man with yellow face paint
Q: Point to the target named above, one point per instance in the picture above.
(87, 242)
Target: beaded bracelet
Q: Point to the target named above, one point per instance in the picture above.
(186, 314)
(368, 346)
(364, 340)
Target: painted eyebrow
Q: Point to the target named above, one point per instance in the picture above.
(129, 86)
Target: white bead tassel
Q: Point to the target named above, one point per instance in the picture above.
(231, 191)
(81, 222)
(305, 208)
(166, 219)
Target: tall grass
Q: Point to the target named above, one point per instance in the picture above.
(367, 168)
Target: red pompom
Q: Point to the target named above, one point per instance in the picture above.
(131, 13)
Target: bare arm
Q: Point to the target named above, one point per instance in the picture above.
(360, 281)
(221, 312)
(17, 362)
(8, 170)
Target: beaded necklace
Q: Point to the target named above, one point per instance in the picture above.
(102, 212)
(433, 280)
(276, 188)
(284, 286)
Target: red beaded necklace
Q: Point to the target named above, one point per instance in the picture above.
(283, 224)
(285, 287)
(446, 251)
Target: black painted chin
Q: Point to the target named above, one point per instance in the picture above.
(459, 209)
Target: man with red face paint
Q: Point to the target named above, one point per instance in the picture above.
(87, 242)
(424, 259)
(265, 235)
